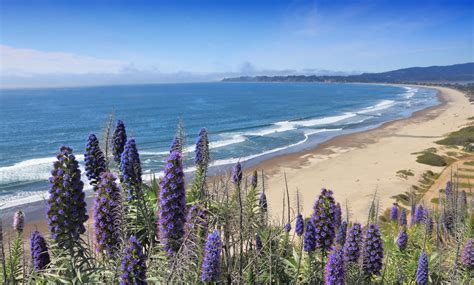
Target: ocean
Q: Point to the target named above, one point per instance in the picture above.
(247, 122)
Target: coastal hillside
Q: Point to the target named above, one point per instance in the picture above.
(440, 74)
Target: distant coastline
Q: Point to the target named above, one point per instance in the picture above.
(441, 74)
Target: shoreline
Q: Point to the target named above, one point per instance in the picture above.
(363, 162)
(275, 166)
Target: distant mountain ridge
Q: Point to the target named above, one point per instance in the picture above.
(450, 73)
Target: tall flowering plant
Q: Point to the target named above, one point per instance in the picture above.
(341, 234)
(133, 266)
(119, 138)
(335, 269)
(419, 214)
(237, 174)
(94, 160)
(402, 240)
(372, 251)
(394, 213)
(323, 220)
(202, 157)
(467, 255)
(39, 251)
(66, 209)
(299, 225)
(18, 221)
(176, 145)
(262, 202)
(210, 271)
(172, 204)
(422, 269)
(131, 170)
(107, 215)
(353, 243)
(403, 217)
(309, 241)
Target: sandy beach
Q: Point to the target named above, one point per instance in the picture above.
(353, 166)
(356, 165)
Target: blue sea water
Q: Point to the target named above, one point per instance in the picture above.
(246, 121)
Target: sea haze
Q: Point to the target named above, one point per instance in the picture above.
(246, 121)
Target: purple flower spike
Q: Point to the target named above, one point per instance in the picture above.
(337, 216)
(353, 243)
(254, 179)
(258, 242)
(197, 217)
(131, 170)
(107, 217)
(419, 214)
(133, 265)
(299, 226)
(467, 255)
(403, 217)
(429, 226)
(172, 206)
(422, 270)
(19, 221)
(287, 228)
(462, 201)
(402, 240)
(449, 190)
(67, 210)
(309, 242)
(237, 173)
(372, 251)
(341, 233)
(335, 271)
(323, 220)
(201, 153)
(394, 213)
(262, 201)
(94, 160)
(176, 145)
(119, 139)
(39, 251)
(211, 264)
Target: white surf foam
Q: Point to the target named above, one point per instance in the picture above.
(312, 132)
(232, 140)
(27, 197)
(45, 164)
(285, 126)
(277, 127)
(325, 120)
(278, 149)
(212, 145)
(30, 170)
(382, 105)
(410, 92)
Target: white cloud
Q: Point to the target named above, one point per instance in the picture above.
(22, 61)
(33, 68)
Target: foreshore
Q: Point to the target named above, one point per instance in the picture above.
(355, 166)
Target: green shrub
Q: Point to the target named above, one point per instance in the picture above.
(431, 159)
(404, 173)
(462, 137)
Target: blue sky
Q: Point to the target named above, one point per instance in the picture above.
(87, 42)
